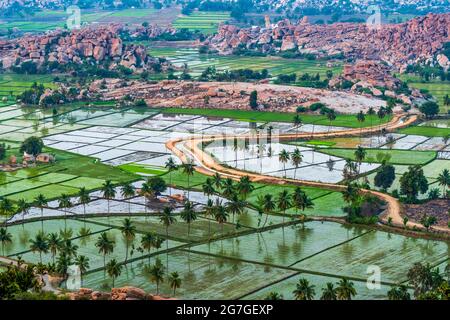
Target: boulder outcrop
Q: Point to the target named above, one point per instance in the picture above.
(416, 40)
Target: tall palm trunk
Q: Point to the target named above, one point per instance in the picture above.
(167, 249)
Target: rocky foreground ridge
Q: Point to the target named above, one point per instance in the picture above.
(95, 45)
(416, 40)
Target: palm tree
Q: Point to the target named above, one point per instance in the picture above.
(235, 149)
(64, 203)
(228, 188)
(188, 215)
(82, 263)
(267, 205)
(171, 166)
(145, 191)
(296, 198)
(5, 238)
(345, 290)
(157, 274)
(39, 244)
(304, 290)
(128, 191)
(105, 246)
(361, 118)
(147, 242)
(331, 116)
(54, 243)
(217, 179)
(283, 157)
(167, 218)
(244, 187)
(297, 123)
(128, 231)
(296, 158)
(284, 202)
(209, 212)
(208, 188)
(381, 113)
(24, 207)
(174, 281)
(188, 169)
(41, 202)
(329, 293)
(68, 248)
(236, 205)
(114, 270)
(221, 216)
(84, 199)
(108, 192)
(370, 113)
(443, 180)
(6, 207)
(360, 155)
(399, 293)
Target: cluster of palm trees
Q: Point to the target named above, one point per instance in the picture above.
(295, 156)
(62, 249)
(343, 290)
(443, 180)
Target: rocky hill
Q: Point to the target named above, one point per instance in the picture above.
(96, 46)
(414, 41)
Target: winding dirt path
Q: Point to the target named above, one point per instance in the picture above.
(209, 166)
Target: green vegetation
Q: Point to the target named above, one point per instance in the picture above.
(426, 131)
(207, 22)
(378, 155)
(264, 116)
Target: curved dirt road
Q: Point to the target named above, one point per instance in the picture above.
(209, 166)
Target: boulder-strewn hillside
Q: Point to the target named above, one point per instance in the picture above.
(99, 46)
(416, 40)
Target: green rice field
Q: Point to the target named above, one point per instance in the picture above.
(206, 22)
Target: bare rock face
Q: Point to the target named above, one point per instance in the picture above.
(443, 61)
(416, 40)
(123, 293)
(372, 72)
(91, 44)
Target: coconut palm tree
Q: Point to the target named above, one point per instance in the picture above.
(105, 246)
(329, 292)
(381, 113)
(209, 212)
(145, 191)
(236, 205)
(284, 202)
(39, 244)
(370, 113)
(296, 158)
(171, 166)
(399, 293)
(82, 263)
(114, 270)
(221, 216)
(360, 155)
(443, 180)
(54, 244)
(274, 296)
(40, 201)
(244, 187)
(283, 157)
(361, 118)
(128, 231)
(157, 274)
(217, 180)
(84, 199)
(68, 248)
(188, 169)
(331, 116)
(304, 290)
(64, 203)
(24, 207)
(297, 123)
(188, 215)
(296, 198)
(228, 188)
(268, 205)
(147, 242)
(235, 149)
(6, 207)
(208, 187)
(128, 191)
(345, 290)
(174, 281)
(108, 192)
(167, 219)
(5, 238)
